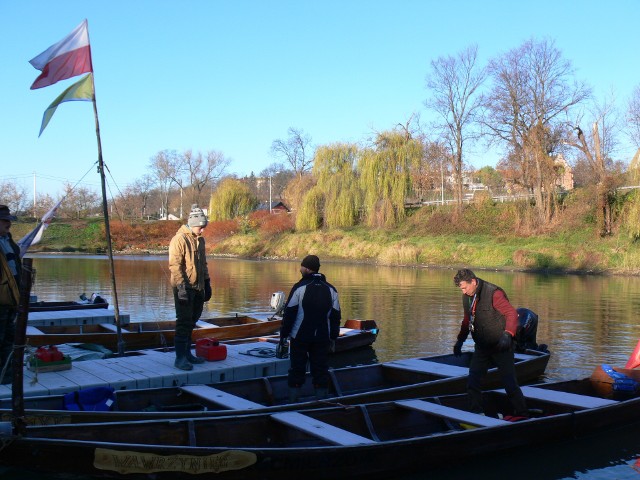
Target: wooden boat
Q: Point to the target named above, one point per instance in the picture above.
(140, 335)
(86, 303)
(373, 440)
(354, 334)
(44, 306)
(143, 335)
(399, 379)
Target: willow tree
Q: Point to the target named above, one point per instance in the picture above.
(309, 215)
(334, 170)
(231, 199)
(633, 206)
(385, 177)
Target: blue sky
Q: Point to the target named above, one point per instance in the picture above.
(234, 75)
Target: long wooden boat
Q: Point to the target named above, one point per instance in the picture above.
(140, 335)
(400, 379)
(45, 306)
(373, 440)
(353, 335)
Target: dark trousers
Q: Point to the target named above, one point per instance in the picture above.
(7, 337)
(187, 315)
(481, 361)
(316, 354)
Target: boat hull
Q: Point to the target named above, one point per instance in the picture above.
(382, 440)
(391, 381)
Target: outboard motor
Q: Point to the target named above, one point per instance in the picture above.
(527, 331)
(278, 302)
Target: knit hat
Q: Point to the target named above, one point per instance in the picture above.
(197, 217)
(311, 262)
(5, 214)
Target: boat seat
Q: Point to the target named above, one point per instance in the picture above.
(219, 397)
(201, 324)
(451, 413)
(523, 356)
(112, 328)
(317, 428)
(573, 399)
(424, 366)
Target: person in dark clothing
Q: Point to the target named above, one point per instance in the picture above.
(311, 322)
(10, 272)
(492, 322)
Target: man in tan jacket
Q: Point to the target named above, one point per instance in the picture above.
(190, 282)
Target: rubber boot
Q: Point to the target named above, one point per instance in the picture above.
(294, 394)
(321, 393)
(192, 358)
(182, 347)
(519, 403)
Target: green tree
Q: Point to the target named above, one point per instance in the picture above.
(231, 199)
(385, 176)
(489, 177)
(309, 216)
(334, 170)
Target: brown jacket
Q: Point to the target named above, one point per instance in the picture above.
(188, 259)
(9, 288)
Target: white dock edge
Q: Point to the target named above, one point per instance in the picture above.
(451, 413)
(425, 366)
(319, 429)
(220, 397)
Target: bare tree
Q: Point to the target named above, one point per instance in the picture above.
(163, 171)
(532, 86)
(79, 202)
(633, 117)
(14, 196)
(276, 174)
(203, 171)
(431, 172)
(597, 147)
(295, 150)
(454, 83)
(143, 188)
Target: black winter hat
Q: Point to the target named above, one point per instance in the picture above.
(311, 262)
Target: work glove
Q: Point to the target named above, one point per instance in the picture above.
(457, 348)
(207, 290)
(332, 346)
(505, 342)
(183, 297)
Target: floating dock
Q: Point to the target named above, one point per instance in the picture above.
(152, 369)
(91, 316)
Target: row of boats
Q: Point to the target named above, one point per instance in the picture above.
(379, 420)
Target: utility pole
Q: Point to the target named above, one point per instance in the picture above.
(35, 215)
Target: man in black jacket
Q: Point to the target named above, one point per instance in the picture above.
(311, 321)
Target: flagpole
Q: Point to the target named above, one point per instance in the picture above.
(105, 212)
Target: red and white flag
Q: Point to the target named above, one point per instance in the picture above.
(69, 57)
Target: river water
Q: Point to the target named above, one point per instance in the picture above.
(585, 320)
